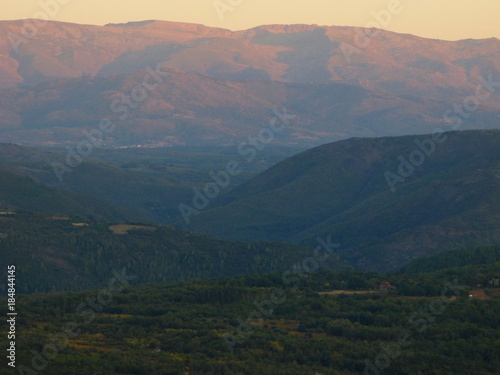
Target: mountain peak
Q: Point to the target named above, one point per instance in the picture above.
(167, 26)
(287, 28)
(130, 24)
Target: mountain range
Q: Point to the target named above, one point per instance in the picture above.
(288, 199)
(156, 109)
(219, 87)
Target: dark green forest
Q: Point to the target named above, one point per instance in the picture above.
(61, 253)
(295, 324)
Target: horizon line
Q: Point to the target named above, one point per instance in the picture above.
(239, 30)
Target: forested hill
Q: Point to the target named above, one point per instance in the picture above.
(367, 195)
(73, 253)
(24, 193)
(456, 258)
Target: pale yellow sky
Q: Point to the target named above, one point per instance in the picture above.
(441, 19)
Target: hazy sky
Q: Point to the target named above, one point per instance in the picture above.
(442, 19)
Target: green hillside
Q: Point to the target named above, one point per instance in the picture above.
(24, 193)
(457, 258)
(149, 182)
(450, 201)
(74, 253)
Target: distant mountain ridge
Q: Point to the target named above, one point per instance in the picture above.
(222, 86)
(293, 53)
